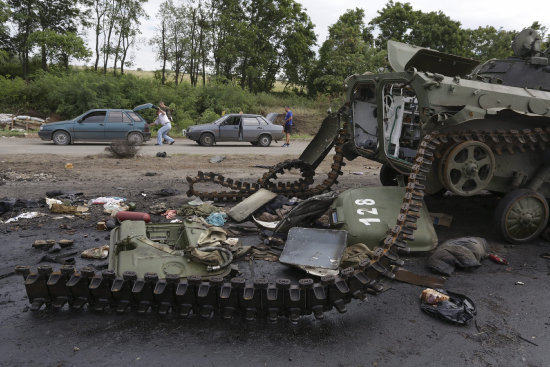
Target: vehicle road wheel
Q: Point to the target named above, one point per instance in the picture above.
(521, 215)
(264, 140)
(135, 138)
(61, 138)
(388, 175)
(207, 139)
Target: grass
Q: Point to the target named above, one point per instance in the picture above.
(17, 133)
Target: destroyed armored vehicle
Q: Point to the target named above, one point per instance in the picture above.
(488, 126)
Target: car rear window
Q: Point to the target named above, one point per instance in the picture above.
(262, 121)
(250, 121)
(118, 116)
(97, 116)
(134, 116)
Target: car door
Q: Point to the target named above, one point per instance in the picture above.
(91, 126)
(251, 128)
(117, 126)
(229, 129)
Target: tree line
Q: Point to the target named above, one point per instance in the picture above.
(248, 43)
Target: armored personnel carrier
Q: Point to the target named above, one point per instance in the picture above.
(492, 120)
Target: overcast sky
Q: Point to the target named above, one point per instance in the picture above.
(508, 14)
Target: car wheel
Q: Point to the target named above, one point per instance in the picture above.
(198, 142)
(207, 139)
(264, 140)
(135, 138)
(521, 215)
(61, 138)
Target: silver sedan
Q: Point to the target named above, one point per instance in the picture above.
(256, 129)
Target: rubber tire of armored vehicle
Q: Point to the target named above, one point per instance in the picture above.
(521, 215)
(206, 140)
(388, 175)
(61, 138)
(264, 140)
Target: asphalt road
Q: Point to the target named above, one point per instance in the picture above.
(16, 145)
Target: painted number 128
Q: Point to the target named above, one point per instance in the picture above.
(366, 211)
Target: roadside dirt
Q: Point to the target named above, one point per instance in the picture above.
(512, 327)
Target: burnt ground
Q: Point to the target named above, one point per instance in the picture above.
(511, 328)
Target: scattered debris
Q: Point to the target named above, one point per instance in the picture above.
(317, 248)
(520, 283)
(465, 252)
(158, 209)
(162, 154)
(167, 192)
(68, 209)
(264, 224)
(68, 165)
(306, 211)
(358, 173)
(249, 205)
(170, 214)
(216, 219)
(448, 306)
(217, 159)
(497, 259)
(150, 174)
(403, 275)
(126, 215)
(101, 226)
(441, 219)
(43, 244)
(27, 215)
(202, 210)
(101, 253)
(122, 149)
(65, 243)
(432, 297)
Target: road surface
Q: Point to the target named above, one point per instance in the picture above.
(32, 145)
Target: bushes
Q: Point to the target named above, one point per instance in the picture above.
(69, 94)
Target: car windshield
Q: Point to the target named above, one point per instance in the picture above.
(220, 120)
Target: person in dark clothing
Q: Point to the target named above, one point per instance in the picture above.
(288, 126)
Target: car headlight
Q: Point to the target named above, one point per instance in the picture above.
(41, 127)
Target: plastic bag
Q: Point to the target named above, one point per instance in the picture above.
(459, 309)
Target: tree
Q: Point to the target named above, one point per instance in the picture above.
(25, 19)
(344, 53)
(61, 47)
(399, 22)
(160, 40)
(487, 42)
(60, 17)
(5, 39)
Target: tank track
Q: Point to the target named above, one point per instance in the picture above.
(299, 188)
(259, 298)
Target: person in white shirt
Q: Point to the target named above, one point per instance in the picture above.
(162, 134)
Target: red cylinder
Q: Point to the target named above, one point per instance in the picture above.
(125, 215)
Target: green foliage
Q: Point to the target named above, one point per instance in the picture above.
(346, 51)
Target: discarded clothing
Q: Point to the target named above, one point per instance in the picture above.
(216, 219)
(458, 309)
(158, 209)
(465, 252)
(354, 254)
(202, 210)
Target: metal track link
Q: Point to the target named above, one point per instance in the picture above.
(299, 188)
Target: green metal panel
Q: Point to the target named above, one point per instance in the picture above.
(368, 213)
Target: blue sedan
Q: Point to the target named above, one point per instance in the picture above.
(100, 125)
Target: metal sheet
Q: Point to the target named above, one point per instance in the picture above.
(252, 203)
(312, 247)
